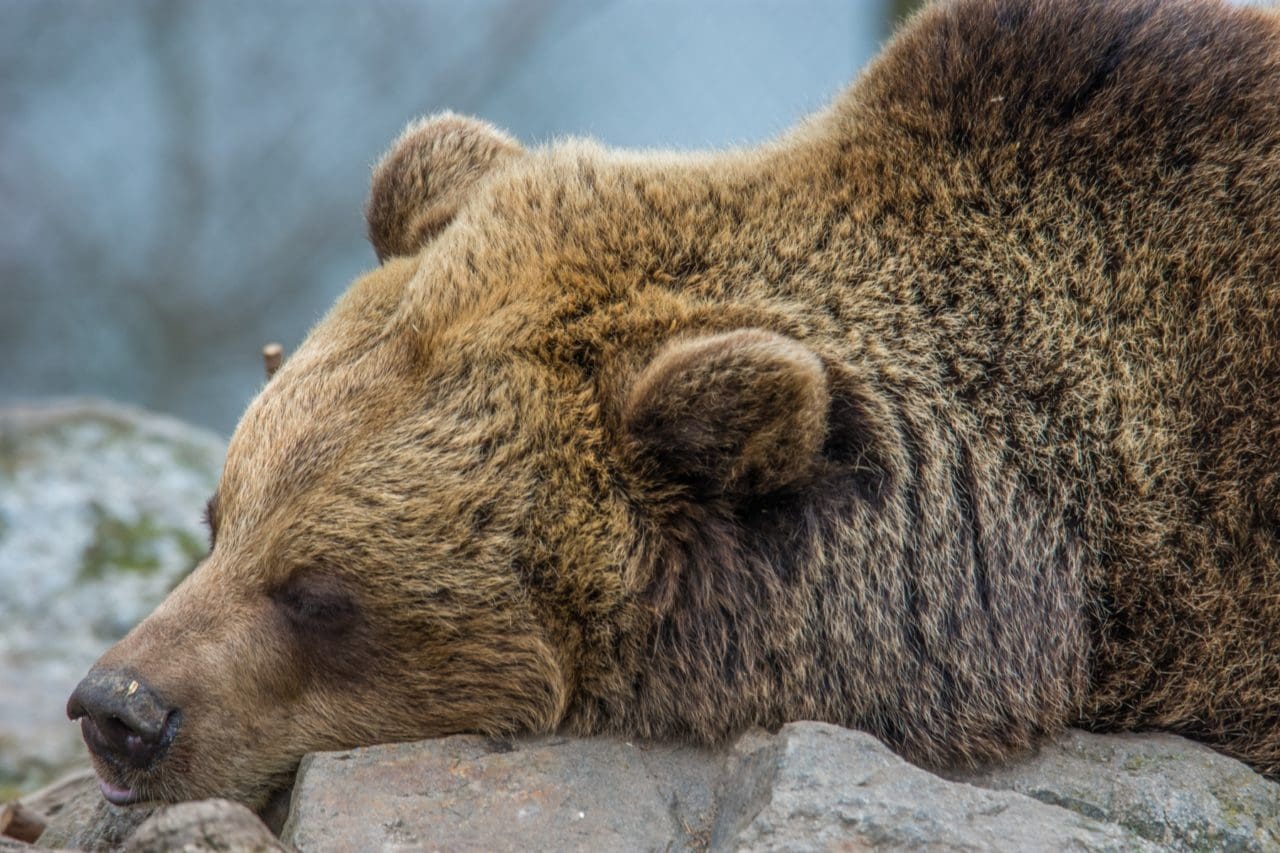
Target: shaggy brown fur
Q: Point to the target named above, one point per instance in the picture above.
(954, 416)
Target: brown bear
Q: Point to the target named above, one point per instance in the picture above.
(953, 415)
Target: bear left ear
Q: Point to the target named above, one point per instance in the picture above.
(740, 413)
(421, 182)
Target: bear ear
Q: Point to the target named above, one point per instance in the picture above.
(740, 413)
(421, 182)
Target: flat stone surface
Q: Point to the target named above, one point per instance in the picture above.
(1175, 792)
(100, 515)
(820, 787)
(471, 792)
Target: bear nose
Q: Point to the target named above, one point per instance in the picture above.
(121, 718)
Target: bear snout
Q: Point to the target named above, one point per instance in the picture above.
(123, 721)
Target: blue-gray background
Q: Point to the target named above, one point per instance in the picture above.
(181, 181)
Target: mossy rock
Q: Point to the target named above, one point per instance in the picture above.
(100, 516)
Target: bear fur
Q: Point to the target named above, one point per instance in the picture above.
(953, 415)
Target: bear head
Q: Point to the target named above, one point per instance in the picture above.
(435, 516)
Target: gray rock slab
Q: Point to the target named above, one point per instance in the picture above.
(100, 515)
(820, 787)
(1167, 789)
(471, 792)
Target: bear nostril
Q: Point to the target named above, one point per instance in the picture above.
(122, 719)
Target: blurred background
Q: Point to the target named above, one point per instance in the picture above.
(182, 181)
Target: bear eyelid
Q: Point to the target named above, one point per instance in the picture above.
(314, 602)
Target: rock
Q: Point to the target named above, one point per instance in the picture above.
(472, 792)
(201, 826)
(1172, 791)
(82, 820)
(88, 822)
(26, 819)
(51, 800)
(811, 786)
(99, 517)
(816, 787)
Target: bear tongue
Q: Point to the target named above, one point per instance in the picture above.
(115, 795)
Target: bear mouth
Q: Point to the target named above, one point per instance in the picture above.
(117, 795)
(104, 765)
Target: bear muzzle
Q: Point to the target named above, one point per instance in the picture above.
(125, 724)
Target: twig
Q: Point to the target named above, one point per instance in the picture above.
(18, 821)
(272, 356)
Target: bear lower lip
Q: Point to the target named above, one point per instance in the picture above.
(115, 795)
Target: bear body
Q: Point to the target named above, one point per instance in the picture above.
(953, 415)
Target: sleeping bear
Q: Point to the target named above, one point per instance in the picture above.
(952, 415)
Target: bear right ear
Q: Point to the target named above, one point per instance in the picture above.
(736, 414)
(421, 182)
